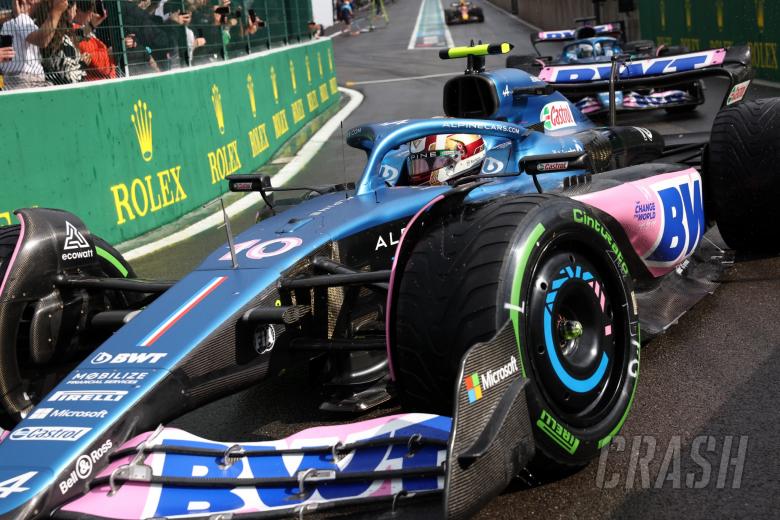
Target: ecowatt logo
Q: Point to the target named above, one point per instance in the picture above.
(477, 384)
(557, 115)
(76, 244)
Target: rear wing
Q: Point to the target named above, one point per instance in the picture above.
(733, 64)
(614, 29)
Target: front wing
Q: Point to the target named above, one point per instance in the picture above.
(395, 461)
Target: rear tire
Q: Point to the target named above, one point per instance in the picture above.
(454, 290)
(742, 179)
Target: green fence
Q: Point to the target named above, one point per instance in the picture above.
(701, 24)
(129, 155)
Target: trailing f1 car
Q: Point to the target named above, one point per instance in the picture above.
(498, 302)
(463, 12)
(596, 47)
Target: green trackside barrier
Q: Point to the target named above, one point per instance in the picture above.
(130, 155)
(702, 24)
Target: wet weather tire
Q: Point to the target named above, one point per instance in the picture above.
(553, 259)
(112, 265)
(742, 179)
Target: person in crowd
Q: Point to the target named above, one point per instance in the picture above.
(95, 54)
(61, 59)
(316, 30)
(147, 42)
(346, 15)
(25, 69)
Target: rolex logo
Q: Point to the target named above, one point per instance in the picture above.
(216, 100)
(330, 60)
(308, 69)
(292, 77)
(250, 86)
(688, 14)
(319, 64)
(142, 121)
(274, 85)
(662, 7)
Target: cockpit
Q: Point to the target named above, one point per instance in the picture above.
(585, 50)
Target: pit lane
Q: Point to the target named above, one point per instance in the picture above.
(713, 374)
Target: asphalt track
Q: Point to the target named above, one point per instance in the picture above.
(714, 374)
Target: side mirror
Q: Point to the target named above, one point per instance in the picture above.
(555, 163)
(251, 182)
(533, 90)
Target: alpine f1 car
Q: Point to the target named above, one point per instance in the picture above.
(499, 302)
(463, 12)
(596, 46)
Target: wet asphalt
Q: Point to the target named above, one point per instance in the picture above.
(701, 441)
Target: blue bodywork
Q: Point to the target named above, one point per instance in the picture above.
(131, 367)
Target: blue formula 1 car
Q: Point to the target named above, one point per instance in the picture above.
(498, 302)
(595, 46)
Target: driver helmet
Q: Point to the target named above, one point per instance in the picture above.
(585, 51)
(437, 159)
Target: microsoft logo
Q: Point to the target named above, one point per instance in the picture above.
(476, 384)
(473, 387)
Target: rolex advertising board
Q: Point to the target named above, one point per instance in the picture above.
(130, 155)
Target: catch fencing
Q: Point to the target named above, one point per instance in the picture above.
(86, 40)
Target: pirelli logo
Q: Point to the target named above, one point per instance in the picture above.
(557, 433)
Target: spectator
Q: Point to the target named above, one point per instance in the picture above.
(95, 53)
(316, 30)
(346, 14)
(184, 35)
(147, 42)
(60, 57)
(25, 68)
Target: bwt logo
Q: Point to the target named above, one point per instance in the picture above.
(128, 358)
(652, 67)
(683, 219)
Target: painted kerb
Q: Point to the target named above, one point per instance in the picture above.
(130, 155)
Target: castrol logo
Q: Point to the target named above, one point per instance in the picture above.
(557, 115)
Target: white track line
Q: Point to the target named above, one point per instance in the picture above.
(413, 38)
(447, 35)
(284, 175)
(394, 80)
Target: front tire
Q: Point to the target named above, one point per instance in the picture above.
(526, 259)
(39, 379)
